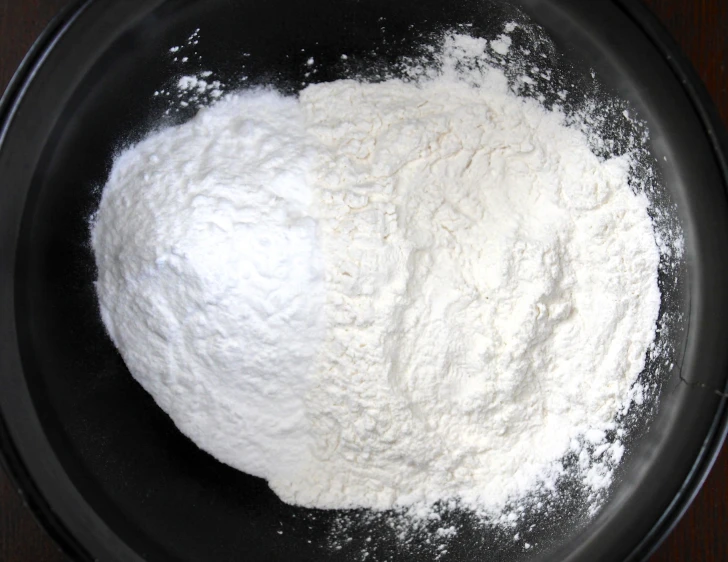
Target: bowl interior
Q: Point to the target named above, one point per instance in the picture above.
(113, 466)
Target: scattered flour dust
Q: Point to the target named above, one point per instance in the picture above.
(191, 89)
(384, 295)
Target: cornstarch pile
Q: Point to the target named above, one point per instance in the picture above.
(384, 295)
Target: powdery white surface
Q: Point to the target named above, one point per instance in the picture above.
(502, 44)
(383, 295)
(205, 249)
(491, 293)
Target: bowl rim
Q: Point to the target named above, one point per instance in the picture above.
(10, 458)
(711, 121)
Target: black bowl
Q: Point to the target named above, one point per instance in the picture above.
(106, 470)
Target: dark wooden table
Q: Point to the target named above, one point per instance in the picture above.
(701, 28)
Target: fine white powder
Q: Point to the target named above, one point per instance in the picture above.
(210, 279)
(383, 295)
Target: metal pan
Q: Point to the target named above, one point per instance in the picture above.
(105, 469)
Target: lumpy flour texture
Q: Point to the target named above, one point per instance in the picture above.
(383, 294)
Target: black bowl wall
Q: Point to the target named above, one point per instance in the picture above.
(105, 468)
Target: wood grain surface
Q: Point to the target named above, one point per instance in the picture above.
(701, 29)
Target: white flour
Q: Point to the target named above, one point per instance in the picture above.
(383, 295)
(207, 262)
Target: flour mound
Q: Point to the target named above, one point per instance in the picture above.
(210, 277)
(383, 295)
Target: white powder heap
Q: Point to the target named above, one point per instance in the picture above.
(383, 295)
(210, 279)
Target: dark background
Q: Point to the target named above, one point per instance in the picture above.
(701, 29)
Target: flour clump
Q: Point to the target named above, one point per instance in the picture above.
(383, 294)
